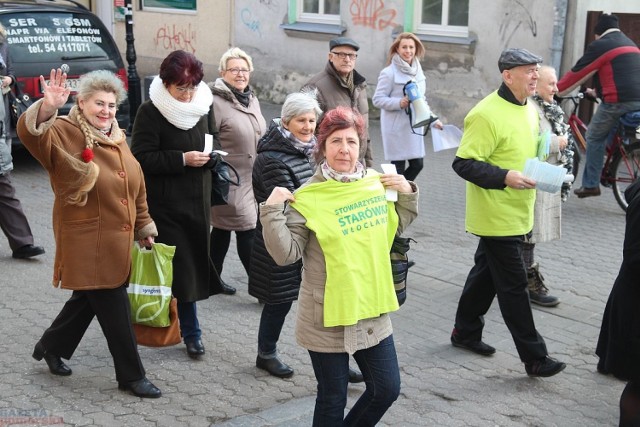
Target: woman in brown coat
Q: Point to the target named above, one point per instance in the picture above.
(99, 209)
(241, 125)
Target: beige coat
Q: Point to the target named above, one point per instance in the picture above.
(93, 242)
(547, 213)
(240, 130)
(288, 239)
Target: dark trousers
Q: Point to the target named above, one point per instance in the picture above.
(220, 240)
(111, 307)
(499, 270)
(189, 323)
(271, 322)
(13, 221)
(379, 366)
(411, 173)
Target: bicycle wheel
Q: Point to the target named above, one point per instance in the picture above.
(577, 157)
(625, 169)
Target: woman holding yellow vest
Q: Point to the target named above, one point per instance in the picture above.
(342, 225)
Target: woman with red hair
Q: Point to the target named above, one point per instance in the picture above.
(341, 226)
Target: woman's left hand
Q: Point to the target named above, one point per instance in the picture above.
(438, 124)
(6, 81)
(147, 242)
(395, 181)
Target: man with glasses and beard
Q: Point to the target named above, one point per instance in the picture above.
(339, 84)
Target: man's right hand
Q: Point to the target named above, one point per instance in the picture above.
(516, 180)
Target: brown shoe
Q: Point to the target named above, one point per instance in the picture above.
(586, 192)
(538, 291)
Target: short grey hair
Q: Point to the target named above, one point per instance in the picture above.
(101, 81)
(234, 53)
(299, 103)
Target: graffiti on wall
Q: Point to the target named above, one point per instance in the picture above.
(173, 37)
(373, 14)
(518, 17)
(270, 4)
(251, 23)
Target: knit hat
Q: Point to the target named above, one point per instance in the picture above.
(606, 22)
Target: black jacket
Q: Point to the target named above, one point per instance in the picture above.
(278, 164)
(179, 198)
(618, 344)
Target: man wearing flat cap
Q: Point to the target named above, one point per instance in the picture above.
(339, 84)
(500, 134)
(613, 60)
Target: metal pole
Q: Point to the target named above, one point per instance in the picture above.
(132, 74)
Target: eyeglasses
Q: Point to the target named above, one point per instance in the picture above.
(236, 71)
(344, 55)
(184, 89)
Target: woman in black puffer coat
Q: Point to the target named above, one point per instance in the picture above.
(284, 160)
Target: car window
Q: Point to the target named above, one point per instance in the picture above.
(56, 36)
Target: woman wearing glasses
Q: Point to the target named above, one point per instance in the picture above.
(168, 141)
(241, 125)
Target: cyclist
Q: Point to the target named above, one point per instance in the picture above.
(614, 62)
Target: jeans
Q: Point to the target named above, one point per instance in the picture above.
(271, 323)
(379, 366)
(605, 118)
(189, 325)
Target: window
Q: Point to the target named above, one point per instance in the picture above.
(319, 11)
(442, 17)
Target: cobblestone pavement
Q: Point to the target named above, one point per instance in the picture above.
(441, 385)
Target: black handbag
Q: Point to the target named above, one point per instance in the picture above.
(221, 179)
(400, 266)
(18, 104)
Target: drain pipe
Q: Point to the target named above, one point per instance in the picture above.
(557, 41)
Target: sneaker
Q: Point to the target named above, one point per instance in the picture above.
(545, 367)
(477, 347)
(538, 291)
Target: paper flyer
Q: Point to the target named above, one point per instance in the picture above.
(208, 143)
(549, 178)
(391, 195)
(448, 137)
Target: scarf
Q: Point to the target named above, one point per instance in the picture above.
(183, 115)
(329, 173)
(305, 148)
(412, 70)
(554, 114)
(242, 97)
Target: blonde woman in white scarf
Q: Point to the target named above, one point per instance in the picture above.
(169, 142)
(399, 142)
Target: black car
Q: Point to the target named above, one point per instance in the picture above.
(45, 35)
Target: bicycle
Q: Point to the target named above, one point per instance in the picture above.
(622, 164)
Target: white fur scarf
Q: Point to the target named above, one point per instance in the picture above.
(183, 115)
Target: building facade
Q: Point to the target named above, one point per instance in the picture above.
(289, 39)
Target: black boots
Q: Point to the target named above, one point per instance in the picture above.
(538, 291)
(55, 363)
(274, 366)
(141, 388)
